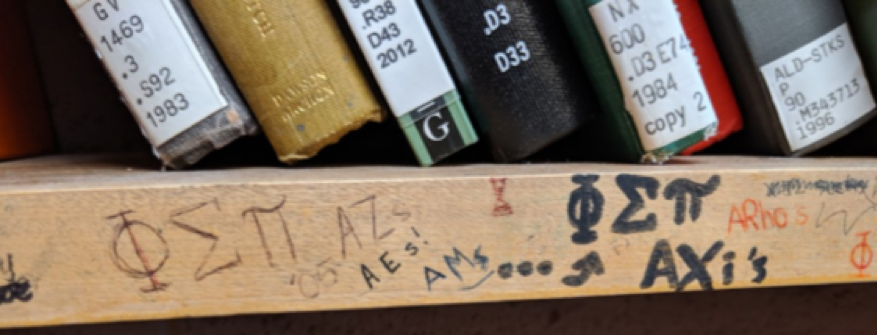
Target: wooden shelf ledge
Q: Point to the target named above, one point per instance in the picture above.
(97, 239)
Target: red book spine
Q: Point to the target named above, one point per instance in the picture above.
(713, 72)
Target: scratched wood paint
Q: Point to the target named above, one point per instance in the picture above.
(97, 244)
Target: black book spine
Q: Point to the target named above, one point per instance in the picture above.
(517, 69)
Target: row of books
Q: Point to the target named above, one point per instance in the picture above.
(626, 80)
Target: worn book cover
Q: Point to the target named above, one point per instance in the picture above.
(168, 74)
(295, 68)
(795, 69)
(517, 71)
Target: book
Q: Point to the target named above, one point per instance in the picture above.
(168, 74)
(84, 103)
(295, 69)
(712, 70)
(795, 70)
(517, 71)
(639, 59)
(413, 76)
(25, 128)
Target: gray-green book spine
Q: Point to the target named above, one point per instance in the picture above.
(795, 70)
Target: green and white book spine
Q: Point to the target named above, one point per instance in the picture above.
(412, 75)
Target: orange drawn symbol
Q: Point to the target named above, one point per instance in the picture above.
(501, 207)
(862, 254)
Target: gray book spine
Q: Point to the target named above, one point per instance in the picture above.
(168, 74)
(795, 71)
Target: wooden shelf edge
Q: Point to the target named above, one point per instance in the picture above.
(101, 240)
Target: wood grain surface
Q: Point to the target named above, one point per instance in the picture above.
(99, 240)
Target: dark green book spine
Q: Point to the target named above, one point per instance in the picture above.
(863, 22)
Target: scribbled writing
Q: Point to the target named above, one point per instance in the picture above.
(525, 269)
(850, 218)
(587, 266)
(662, 265)
(583, 269)
(586, 203)
(390, 263)
(478, 262)
(585, 208)
(17, 288)
(753, 215)
(146, 268)
(201, 272)
(311, 283)
(862, 254)
(141, 251)
(798, 186)
(500, 207)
